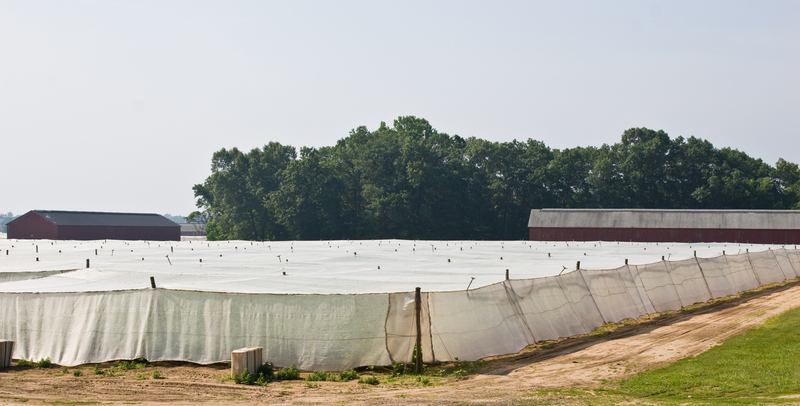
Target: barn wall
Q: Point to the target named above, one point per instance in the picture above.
(664, 235)
(119, 233)
(32, 226)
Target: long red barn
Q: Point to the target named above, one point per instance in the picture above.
(84, 225)
(650, 225)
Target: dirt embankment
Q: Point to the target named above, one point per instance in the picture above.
(576, 362)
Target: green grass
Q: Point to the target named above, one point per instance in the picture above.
(760, 363)
(318, 376)
(759, 366)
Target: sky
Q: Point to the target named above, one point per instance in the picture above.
(118, 105)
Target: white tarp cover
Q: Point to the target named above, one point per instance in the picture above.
(330, 311)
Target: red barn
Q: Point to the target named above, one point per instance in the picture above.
(84, 225)
(650, 225)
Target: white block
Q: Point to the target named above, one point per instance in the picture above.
(246, 359)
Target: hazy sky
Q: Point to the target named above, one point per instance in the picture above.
(118, 105)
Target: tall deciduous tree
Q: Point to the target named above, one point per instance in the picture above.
(408, 180)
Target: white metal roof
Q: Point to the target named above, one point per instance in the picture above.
(650, 218)
(340, 267)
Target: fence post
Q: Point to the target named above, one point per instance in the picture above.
(87, 263)
(506, 274)
(418, 345)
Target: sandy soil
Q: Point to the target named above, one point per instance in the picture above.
(581, 362)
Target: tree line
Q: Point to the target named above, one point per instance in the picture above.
(409, 180)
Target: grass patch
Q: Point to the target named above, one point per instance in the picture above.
(319, 377)
(757, 364)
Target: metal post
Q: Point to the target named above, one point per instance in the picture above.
(418, 346)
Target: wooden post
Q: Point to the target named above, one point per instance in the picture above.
(626, 261)
(578, 265)
(246, 359)
(153, 282)
(507, 274)
(418, 346)
(6, 349)
(87, 263)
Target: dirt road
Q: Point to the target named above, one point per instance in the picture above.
(582, 362)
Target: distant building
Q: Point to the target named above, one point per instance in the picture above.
(645, 225)
(193, 229)
(79, 225)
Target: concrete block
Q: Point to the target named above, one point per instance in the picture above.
(246, 359)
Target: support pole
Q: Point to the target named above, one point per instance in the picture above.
(87, 263)
(578, 266)
(418, 346)
(153, 282)
(507, 274)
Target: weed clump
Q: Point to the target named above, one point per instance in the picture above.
(369, 380)
(42, 363)
(318, 376)
(126, 365)
(348, 375)
(287, 374)
(263, 375)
